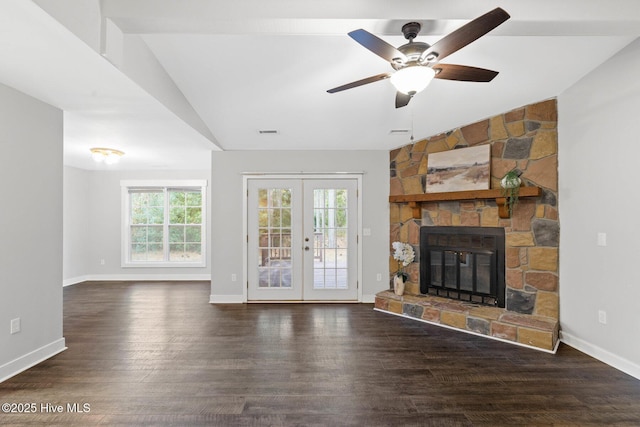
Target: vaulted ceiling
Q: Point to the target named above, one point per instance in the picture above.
(168, 81)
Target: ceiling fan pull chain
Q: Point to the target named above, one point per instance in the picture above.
(411, 138)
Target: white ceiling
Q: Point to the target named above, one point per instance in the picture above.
(169, 81)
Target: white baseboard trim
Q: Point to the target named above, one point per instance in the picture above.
(74, 280)
(226, 299)
(601, 354)
(136, 277)
(31, 359)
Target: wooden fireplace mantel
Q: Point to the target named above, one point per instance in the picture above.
(415, 200)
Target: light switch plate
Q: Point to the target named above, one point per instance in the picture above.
(602, 239)
(15, 325)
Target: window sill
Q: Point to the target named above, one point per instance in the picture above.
(162, 264)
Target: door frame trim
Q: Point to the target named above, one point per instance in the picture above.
(296, 175)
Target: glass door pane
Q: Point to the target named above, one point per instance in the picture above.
(330, 238)
(331, 224)
(274, 231)
(274, 238)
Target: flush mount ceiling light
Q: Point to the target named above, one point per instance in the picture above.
(107, 155)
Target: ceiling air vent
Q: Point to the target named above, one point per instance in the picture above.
(268, 132)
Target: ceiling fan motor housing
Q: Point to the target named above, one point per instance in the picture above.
(411, 30)
(413, 52)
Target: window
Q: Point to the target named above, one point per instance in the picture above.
(164, 223)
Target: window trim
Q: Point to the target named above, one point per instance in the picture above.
(125, 241)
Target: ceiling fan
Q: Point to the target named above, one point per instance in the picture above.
(417, 63)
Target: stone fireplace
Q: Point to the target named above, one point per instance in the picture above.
(524, 139)
(463, 263)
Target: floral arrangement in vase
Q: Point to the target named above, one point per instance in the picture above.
(404, 254)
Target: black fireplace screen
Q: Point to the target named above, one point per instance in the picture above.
(465, 263)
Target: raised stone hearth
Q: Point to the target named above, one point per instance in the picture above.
(498, 323)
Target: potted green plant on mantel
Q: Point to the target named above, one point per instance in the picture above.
(510, 184)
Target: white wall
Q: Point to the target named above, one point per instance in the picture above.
(599, 149)
(75, 248)
(30, 231)
(102, 207)
(227, 197)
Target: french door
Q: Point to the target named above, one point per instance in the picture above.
(302, 239)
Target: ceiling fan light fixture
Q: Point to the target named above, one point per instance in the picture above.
(412, 80)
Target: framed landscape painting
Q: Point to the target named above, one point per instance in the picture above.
(459, 170)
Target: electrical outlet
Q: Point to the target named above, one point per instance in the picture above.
(379, 277)
(602, 317)
(102, 262)
(15, 325)
(234, 277)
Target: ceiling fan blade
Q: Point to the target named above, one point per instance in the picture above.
(402, 99)
(463, 73)
(377, 46)
(357, 83)
(464, 35)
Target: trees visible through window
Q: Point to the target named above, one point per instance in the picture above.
(185, 226)
(165, 225)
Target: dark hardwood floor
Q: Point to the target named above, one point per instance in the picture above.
(160, 354)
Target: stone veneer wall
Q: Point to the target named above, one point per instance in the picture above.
(526, 139)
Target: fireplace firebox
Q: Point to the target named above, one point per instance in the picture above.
(464, 263)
